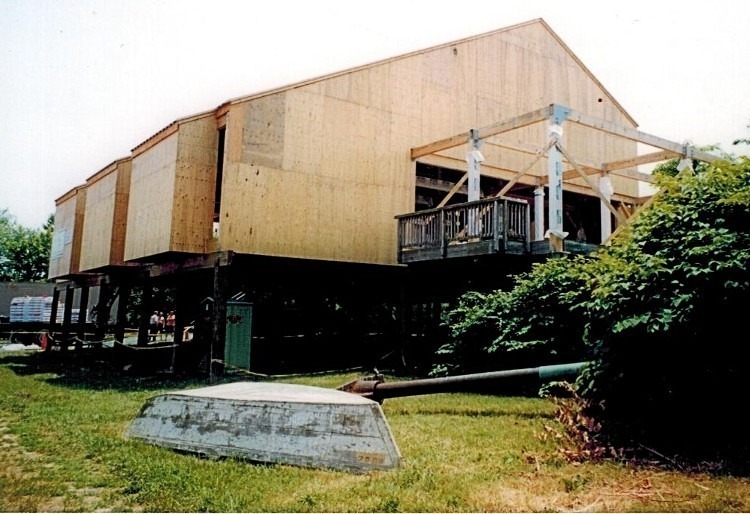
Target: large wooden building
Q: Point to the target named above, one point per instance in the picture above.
(338, 204)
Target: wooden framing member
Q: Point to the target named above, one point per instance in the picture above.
(453, 191)
(669, 149)
(192, 263)
(523, 172)
(641, 159)
(484, 132)
(591, 184)
(621, 227)
(640, 137)
(494, 171)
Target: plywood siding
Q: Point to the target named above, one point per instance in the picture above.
(320, 170)
(103, 239)
(195, 183)
(152, 187)
(172, 192)
(66, 237)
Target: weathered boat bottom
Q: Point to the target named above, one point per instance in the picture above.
(272, 423)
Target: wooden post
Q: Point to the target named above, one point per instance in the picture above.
(527, 229)
(443, 239)
(218, 319)
(67, 315)
(474, 159)
(102, 312)
(179, 324)
(505, 226)
(145, 315)
(122, 311)
(554, 175)
(53, 316)
(498, 222)
(539, 213)
(82, 307)
(605, 187)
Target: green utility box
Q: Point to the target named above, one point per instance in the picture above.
(238, 334)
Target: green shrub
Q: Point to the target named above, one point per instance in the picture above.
(665, 318)
(660, 312)
(532, 324)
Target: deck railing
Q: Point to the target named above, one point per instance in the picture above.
(495, 219)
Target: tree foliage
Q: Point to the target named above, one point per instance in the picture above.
(24, 252)
(660, 312)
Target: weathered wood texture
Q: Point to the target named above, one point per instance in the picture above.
(172, 192)
(274, 423)
(107, 194)
(65, 252)
(318, 170)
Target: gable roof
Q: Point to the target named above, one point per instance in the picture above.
(538, 21)
(172, 127)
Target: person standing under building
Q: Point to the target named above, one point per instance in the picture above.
(169, 326)
(153, 326)
(162, 322)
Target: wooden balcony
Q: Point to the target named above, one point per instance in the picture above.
(489, 226)
(468, 229)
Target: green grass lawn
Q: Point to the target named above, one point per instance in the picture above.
(61, 437)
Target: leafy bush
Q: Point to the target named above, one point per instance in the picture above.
(532, 324)
(660, 312)
(665, 318)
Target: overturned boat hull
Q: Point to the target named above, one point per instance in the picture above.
(272, 423)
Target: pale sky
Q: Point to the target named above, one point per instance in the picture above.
(82, 82)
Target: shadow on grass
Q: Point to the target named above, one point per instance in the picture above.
(102, 369)
(490, 412)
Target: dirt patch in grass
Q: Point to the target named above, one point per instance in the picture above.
(24, 487)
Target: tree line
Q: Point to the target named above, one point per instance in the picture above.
(24, 252)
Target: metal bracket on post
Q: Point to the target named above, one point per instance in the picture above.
(686, 162)
(558, 114)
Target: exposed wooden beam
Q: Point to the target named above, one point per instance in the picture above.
(490, 170)
(641, 159)
(453, 191)
(484, 132)
(638, 136)
(625, 210)
(593, 170)
(594, 187)
(192, 263)
(622, 226)
(435, 184)
(518, 175)
(515, 146)
(442, 144)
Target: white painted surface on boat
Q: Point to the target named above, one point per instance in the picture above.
(271, 422)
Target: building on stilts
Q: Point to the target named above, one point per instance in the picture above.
(327, 223)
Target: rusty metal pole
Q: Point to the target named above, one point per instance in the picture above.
(379, 390)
